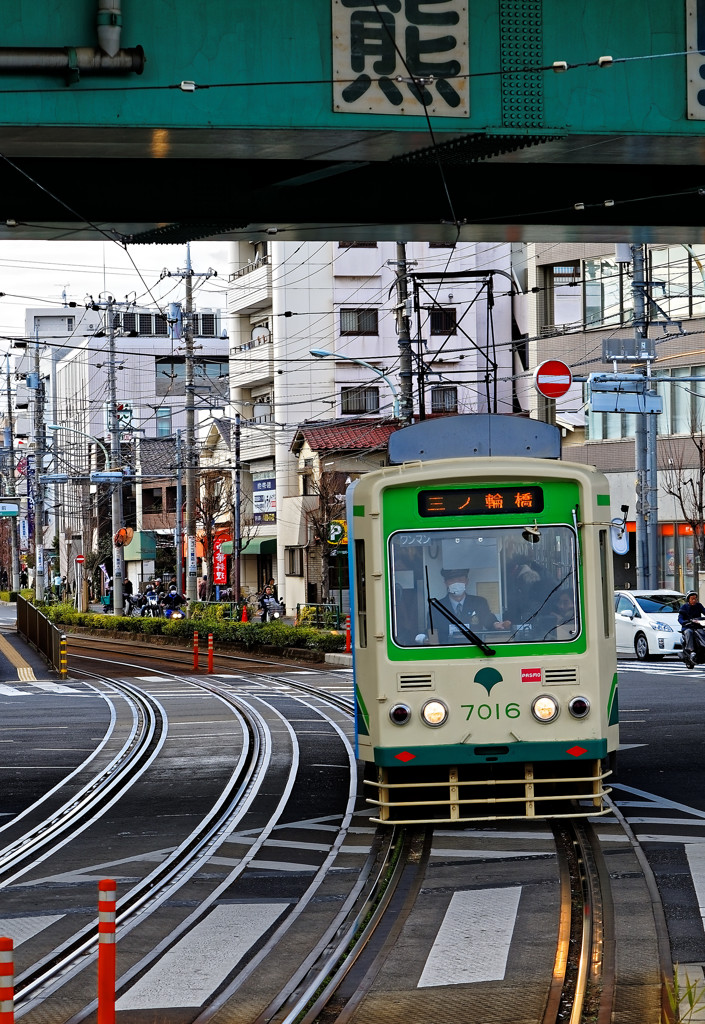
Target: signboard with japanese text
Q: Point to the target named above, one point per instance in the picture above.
(220, 561)
(264, 500)
(400, 57)
(695, 21)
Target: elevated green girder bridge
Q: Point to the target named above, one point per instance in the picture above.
(353, 119)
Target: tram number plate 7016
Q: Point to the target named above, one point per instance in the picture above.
(485, 711)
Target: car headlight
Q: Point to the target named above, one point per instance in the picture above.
(400, 714)
(434, 712)
(579, 707)
(544, 708)
(662, 627)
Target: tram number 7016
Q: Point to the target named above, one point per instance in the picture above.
(485, 711)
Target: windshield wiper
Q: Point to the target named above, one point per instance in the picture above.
(433, 602)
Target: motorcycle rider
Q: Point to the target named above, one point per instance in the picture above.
(173, 600)
(687, 616)
(268, 603)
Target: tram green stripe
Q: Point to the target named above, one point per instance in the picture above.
(613, 703)
(461, 753)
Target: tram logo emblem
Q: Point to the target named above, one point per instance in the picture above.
(488, 677)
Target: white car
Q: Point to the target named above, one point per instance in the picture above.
(646, 622)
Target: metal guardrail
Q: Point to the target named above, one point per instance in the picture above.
(39, 632)
(322, 616)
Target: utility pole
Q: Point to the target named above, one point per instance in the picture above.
(107, 304)
(406, 404)
(187, 274)
(115, 465)
(10, 485)
(237, 539)
(645, 443)
(38, 471)
(178, 532)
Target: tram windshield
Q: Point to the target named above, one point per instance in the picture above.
(499, 585)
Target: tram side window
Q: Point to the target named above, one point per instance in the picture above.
(503, 584)
(606, 573)
(361, 593)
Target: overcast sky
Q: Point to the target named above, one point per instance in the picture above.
(36, 274)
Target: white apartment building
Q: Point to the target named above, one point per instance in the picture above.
(288, 298)
(72, 348)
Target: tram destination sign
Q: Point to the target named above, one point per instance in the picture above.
(465, 501)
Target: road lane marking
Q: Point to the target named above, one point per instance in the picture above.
(473, 941)
(196, 965)
(19, 929)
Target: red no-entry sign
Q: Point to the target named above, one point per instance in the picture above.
(80, 559)
(552, 378)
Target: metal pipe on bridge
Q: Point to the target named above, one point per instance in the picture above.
(86, 60)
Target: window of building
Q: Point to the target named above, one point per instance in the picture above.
(358, 321)
(293, 561)
(70, 321)
(444, 400)
(170, 375)
(607, 293)
(153, 501)
(207, 324)
(163, 422)
(443, 321)
(359, 400)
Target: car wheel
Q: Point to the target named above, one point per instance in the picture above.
(641, 647)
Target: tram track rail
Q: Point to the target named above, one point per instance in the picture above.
(97, 796)
(34, 984)
(47, 975)
(583, 979)
(181, 656)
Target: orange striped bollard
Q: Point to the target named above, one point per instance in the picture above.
(63, 658)
(210, 653)
(7, 981)
(348, 642)
(107, 893)
(195, 651)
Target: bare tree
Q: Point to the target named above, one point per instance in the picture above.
(329, 488)
(212, 505)
(683, 477)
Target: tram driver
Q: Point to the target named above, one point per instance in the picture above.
(472, 610)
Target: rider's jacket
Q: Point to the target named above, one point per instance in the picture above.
(689, 612)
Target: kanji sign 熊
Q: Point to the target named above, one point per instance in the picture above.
(400, 57)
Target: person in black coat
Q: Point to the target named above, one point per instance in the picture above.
(691, 610)
(473, 611)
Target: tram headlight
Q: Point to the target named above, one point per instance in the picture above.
(579, 707)
(544, 708)
(434, 712)
(400, 714)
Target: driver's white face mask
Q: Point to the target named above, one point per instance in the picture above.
(456, 589)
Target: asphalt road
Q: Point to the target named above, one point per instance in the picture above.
(660, 788)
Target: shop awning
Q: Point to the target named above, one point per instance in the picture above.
(258, 546)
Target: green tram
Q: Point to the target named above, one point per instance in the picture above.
(483, 625)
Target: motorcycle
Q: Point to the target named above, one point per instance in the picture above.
(271, 609)
(150, 605)
(694, 653)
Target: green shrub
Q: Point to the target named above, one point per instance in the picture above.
(277, 636)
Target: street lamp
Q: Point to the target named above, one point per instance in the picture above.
(322, 353)
(113, 476)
